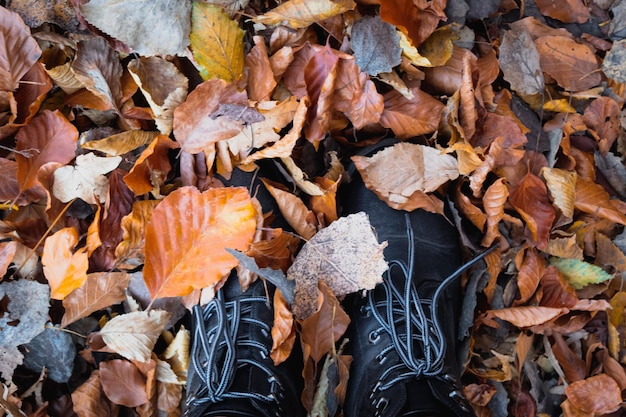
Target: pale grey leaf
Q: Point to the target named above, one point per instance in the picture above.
(519, 61)
(376, 45)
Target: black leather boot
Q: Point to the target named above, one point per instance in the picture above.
(402, 335)
(231, 372)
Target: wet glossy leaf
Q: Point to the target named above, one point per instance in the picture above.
(187, 236)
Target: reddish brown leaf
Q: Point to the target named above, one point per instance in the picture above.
(64, 269)
(283, 331)
(479, 394)
(20, 50)
(418, 19)
(7, 252)
(602, 115)
(411, 117)
(122, 383)
(526, 316)
(293, 209)
(572, 364)
(187, 236)
(49, 137)
(530, 272)
(530, 199)
(89, 400)
(261, 82)
(567, 11)
(593, 199)
(598, 394)
(10, 189)
(194, 123)
(276, 252)
(100, 290)
(356, 95)
(152, 166)
(493, 202)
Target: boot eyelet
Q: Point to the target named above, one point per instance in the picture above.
(373, 337)
(364, 310)
(381, 358)
(381, 404)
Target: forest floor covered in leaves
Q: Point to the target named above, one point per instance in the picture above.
(115, 118)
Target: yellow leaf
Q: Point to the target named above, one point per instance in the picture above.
(217, 43)
(302, 13)
(121, 143)
(562, 186)
(559, 106)
(64, 269)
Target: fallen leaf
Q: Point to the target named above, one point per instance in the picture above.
(7, 252)
(293, 210)
(36, 13)
(64, 268)
(608, 253)
(261, 81)
(100, 290)
(129, 252)
(283, 331)
(520, 63)
(399, 171)
(216, 42)
(177, 353)
(54, 140)
(10, 188)
(598, 394)
(133, 335)
(573, 65)
(121, 143)
(525, 316)
(169, 397)
(20, 50)
(187, 236)
(301, 13)
(493, 202)
(411, 117)
(593, 199)
(418, 20)
(122, 383)
(345, 255)
(88, 400)
(568, 11)
(530, 272)
(85, 180)
(602, 116)
(142, 29)
(375, 45)
(151, 167)
(562, 186)
(319, 75)
(580, 273)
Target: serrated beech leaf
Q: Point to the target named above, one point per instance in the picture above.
(187, 236)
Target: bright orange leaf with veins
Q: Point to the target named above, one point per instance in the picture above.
(64, 269)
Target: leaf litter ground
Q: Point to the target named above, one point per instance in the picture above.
(115, 222)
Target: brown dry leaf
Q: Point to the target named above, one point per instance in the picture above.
(417, 19)
(168, 397)
(10, 188)
(121, 143)
(564, 247)
(7, 252)
(562, 186)
(283, 331)
(133, 335)
(574, 66)
(293, 210)
(160, 28)
(602, 115)
(152, 166)
(345, 255)
(163, 86)
(275, 252)
(85, 180)
(217, 43)
(525, 316)
(130, 251)
(593, 199)
(520, 63)
(556, 291)
(64, 269)
(567, 11)
(608, 253)
(531, 271)
(493, 202)
(100, 290)
(88, 400)
(196, 126)
(54, 139)
(187, 236)
(598, 394)
(98, 68)
(122, 383)
(530, 199)
(20, 50)
(399, 171)
(302, 13)
(411, 117)
(261, 82)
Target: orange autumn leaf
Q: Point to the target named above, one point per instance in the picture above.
(530, 273)
(187, 236)
(593, 199)
(525, 316)
(493, 202)
(152, 166)
(411, 117)
(283, 332)
(64, 269)
(418, 19)
(598, 394)
(567, 11)
(261, 82)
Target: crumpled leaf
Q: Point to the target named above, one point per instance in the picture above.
(100, 290)
(598, 394)
(302, 13)
(293, 210)
(398, 172)
(53, 137)
(416, 116)
(160, 27)
(133, 335)
(261, 80)
(580, 273)
(19, 50)
(187, 236)
(177, 353)
(121, 143)
(520, 63)
(216, 42)
(573, 65)
(345, 255)
(64, 268)
(123, 383)
(493, 202)
(375, 45)
(151, 167)
(85, 180)
(130, 251)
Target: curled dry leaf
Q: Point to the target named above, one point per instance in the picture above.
(187, 236)
(133, 335)
(598, 394)
(398, 172)
(130, 251)
(7, 251)
(493, 202)
(177, 353)
(261, 82)
(562, 186)
(23, 50)
(293, 210)
(121, 143)
(345, 255)
(152, 166)
(64, 269)
(302, 13)
(217, 43)
(100, 290)
(530, 273)
(283, 331)
(122, 383)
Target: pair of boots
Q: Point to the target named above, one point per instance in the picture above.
(402, 334)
